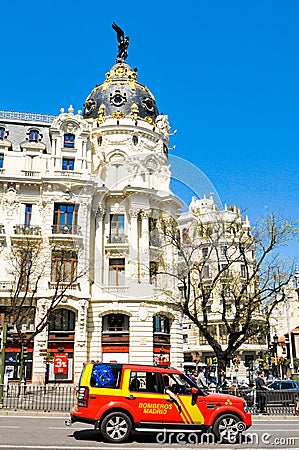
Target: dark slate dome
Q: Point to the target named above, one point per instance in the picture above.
(121, 95)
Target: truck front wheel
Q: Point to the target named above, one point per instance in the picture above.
(228, 428)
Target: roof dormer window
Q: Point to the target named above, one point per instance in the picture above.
(2, 132)
(34, 136)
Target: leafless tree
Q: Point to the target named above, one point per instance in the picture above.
(30, 267)
(227, 272)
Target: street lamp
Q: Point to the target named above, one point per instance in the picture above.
(287, 308)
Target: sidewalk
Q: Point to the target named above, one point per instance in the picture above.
(65, 415)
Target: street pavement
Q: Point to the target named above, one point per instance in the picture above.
(24, 431)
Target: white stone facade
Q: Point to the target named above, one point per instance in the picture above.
(113, 174)
(213, 252)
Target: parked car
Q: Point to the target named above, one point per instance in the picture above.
(119, 398)
(281, 385)
(281, 393)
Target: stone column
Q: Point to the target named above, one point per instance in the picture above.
(176, 341)
(141, 335)
(133, 239)
(99, 247)
(144, 246)
(80, 344)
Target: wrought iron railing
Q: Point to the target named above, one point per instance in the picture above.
(32, 230)
(117, 239)
(276, 402)
(65, 229)
(43, 398)
(27, 116)
(155, 241)
(53, 397)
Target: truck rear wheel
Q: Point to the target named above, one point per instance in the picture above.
(116, 427)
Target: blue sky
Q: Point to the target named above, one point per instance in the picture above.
(225, 71)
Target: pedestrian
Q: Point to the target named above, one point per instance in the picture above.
(193, 376)
(201, 379)
(261, 389)
(222, 385)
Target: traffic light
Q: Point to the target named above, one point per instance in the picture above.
(25, 354)
(45, 353)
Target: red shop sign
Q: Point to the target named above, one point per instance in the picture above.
(61, 363)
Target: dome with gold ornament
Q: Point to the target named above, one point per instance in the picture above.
(121, 95)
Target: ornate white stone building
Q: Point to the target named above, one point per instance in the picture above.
(90, 189)
(214, 237)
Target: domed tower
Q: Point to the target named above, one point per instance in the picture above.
(129, 146)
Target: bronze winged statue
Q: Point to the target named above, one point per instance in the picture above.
(123, 43)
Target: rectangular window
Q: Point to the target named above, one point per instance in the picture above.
(223, 337)
(243, 271)
(117, 228)
(226, 291)
(1, 160)
(64, 267)
(116, 272)
(205, 272)
(223, 249)
(69, 140)
(28, 214)
(25, 270)
(145, 382)
(27, 323)
(68, 163)
(106, 376)
(205, 252)
(153, 272)
(65, 218)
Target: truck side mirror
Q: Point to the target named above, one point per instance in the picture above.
(194, 393)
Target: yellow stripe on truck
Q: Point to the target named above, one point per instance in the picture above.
(195, 415)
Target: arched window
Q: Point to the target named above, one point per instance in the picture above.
(161, 324)
(2, 132)
(62, 320)
(116, 322)
(135, 139)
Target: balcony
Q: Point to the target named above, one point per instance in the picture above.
(68, 174)
(6, 286)
(31, 173)
(117, 239)
(116, 243)
(64, 286)
(31, 230)
(118, 290)
(26, 233)
(65, 229)
(66, 235)
(155, 241)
